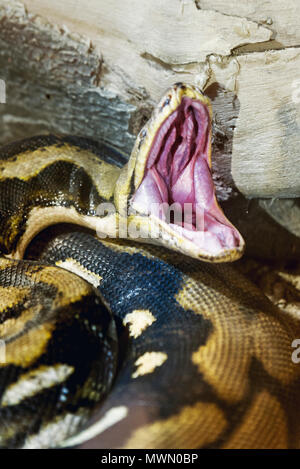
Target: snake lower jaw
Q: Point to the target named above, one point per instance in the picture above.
(150, 229)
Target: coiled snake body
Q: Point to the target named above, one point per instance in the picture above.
(179, 352)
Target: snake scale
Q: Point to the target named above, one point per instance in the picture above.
(145, 343)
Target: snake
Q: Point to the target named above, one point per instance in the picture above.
(123, 323)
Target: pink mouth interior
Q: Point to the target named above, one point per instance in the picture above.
(177, 171)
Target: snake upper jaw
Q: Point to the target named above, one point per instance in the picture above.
(167, 188)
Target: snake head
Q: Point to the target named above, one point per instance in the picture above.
(166, 190)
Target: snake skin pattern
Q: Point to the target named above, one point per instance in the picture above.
(113, 344)
(209, 358)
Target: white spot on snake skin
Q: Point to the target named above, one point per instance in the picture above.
(148, 362)
(53, 433)
(138, 321)
(112, 416)
(34, 381)
(73, 266)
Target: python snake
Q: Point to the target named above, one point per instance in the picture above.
(110, 343)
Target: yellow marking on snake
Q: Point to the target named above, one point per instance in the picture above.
(251, 430)
(171, 433)
(148, 362)
(14, 326)
(40, 218)
(227, 368)
(34, 381)
(10, 296)
(138, 321)
(20, 352)
(104, 175)
(248, 339)
(73, 266)
(120, 245)
(70, 289)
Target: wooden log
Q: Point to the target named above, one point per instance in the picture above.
(97, 70)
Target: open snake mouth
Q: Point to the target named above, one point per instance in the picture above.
(177, 186)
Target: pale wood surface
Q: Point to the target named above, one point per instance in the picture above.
(105, 63)
(281, 17)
